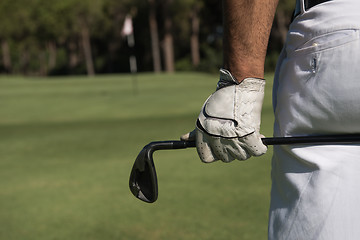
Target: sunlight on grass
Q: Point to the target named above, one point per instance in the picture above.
(68, 144)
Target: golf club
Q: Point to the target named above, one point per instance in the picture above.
(143, 180)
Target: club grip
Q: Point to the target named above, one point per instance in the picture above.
(345, 138)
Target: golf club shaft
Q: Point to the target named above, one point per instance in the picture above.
(348, 138)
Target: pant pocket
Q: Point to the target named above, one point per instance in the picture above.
(326, 41)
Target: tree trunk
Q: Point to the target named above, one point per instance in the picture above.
(194, 39)
(155, 46)
(43, 70)
(52, 55)
(73, 54)
(112, 47)
(6, 55)
(168, 38)
(24, 61)
(85, 37)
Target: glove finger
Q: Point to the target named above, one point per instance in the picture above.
(222, 149)
(203, 148)
(236, 149)
(211, 149)
(190, 136)
(254, 145)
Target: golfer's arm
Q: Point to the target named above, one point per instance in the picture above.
(247, 25)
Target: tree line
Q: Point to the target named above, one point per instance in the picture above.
(48, 37)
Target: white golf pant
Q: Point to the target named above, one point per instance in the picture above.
(316, 188)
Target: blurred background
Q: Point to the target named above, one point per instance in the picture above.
(68, 141)
(47, 37)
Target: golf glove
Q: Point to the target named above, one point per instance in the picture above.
(229, 122)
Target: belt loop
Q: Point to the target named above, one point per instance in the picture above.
(311, 3)
(303, 4)
(299, 8)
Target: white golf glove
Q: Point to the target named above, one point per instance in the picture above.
(229, 122)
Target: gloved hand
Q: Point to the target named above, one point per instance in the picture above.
(229, 122)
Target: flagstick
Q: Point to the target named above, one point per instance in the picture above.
(128, 31)
(132, 61)
(133, 69)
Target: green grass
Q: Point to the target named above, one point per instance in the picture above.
(67, 146)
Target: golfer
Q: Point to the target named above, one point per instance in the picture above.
(315, 188)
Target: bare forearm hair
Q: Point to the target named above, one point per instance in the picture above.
(247, 25)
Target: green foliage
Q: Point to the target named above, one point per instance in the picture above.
(286, 6)
(184, 64)
(67, 146)
(29, 26)
(212, 60)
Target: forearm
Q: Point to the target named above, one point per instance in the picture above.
(247, 25)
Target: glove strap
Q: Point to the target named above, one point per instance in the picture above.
(226, 79)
